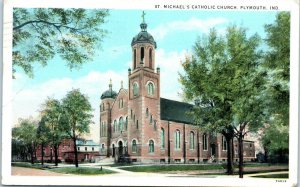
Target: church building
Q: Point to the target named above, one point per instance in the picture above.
(137, 125)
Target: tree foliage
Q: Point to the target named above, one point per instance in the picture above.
(51, 115)
(25, 134)
(224, 74)
(76, 116)
(39, 34)
(277, 62)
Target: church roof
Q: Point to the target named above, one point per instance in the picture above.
(175, 111)
(143, 36)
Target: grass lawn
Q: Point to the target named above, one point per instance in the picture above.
(280, 176)
(162, 168)
(82, 171)
(28, 165)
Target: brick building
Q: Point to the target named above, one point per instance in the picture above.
(87, 150)
(138, 125)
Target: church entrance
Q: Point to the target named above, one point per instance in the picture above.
(213, 149)
(120, 144)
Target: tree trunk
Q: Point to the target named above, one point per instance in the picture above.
(75, 153)
(42, 153)
(241, 156)
(229, 155)
(32, 155)
(56, 154)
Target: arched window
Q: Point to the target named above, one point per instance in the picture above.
(126, 123)
(192, 140)
(177, 139)
(135, 89)
(154, 124)
(105, 129)
(142, 55)
(162, 137)
(134, 59)
(150, 88)
(147, 112)
(204, 142)
(137, 124)
(151, 146)
(134, 146)
(224, 144)
(115, 126)
(121, 124)
(150, 58)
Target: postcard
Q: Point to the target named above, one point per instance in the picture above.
(160, 93)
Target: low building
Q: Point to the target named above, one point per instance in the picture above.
(87, 151)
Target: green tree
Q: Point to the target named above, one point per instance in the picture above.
(223, 73)
(39, 34)
(76, 116)
(277, 62)
(43, 137)
(26, 133)
(51, 114)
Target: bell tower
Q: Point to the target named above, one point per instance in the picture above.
(144, 89)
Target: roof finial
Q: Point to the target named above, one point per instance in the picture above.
(110, 84)
(121, 84)
(143, 16)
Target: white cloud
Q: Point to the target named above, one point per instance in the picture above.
(170, 66)
(188, 25)
(27, 101)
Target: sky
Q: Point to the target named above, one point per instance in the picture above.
(175, 32)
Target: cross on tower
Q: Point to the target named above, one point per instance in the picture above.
(143, 16)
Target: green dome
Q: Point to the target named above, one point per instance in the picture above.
(109, 94)
(143, 36)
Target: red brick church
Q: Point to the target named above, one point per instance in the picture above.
(137, 125)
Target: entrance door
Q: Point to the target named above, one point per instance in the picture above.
(213, 149)
(120, 148)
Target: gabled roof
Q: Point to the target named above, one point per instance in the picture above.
(175, 111)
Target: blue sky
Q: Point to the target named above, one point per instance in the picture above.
(175, 33)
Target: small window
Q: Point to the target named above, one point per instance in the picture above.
(192, 140)
(162, 137)
(115, 126)
(121, 124)
(224, 144)
(134, 146)
(154, 126)
(151, 119)
(131, 113)
(92, 148)
(205, 142)
(137, 124)
(126, 123)
(177, 139)
(151, 146)
(135, 89)
(150, 88)
(147, 112)
(78, 148)
(85, 148)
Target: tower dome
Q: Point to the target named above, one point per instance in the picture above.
(143, 36)
(109, 93)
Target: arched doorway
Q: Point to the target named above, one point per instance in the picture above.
(120, 144)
